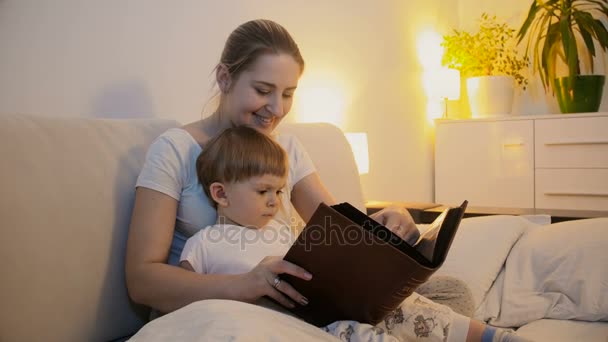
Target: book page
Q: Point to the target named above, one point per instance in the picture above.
(426, 242)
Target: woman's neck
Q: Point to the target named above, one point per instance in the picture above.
(215, 123)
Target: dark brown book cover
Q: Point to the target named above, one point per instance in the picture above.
(361, 270)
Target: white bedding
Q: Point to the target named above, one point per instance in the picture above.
(551, 271)
(226, 320)
(564, 331)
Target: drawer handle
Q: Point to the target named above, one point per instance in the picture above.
(582, 194)
(513, 144)
(566, 143)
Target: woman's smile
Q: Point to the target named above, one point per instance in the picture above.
(263, 121)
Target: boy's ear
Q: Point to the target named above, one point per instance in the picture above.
(222, 76)
(218, 194)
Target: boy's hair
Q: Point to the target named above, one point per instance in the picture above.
(238, 154)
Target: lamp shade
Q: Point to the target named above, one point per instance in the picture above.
(442, 83)
(358, 143)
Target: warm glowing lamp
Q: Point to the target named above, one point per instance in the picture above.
(358, 143)
(321, 97)
(429, 49)
(442, 83)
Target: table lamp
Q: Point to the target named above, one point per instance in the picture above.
(442, 83)
(358, 143)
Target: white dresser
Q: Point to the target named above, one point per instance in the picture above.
(545, 161)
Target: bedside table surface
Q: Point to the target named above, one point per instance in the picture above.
(407, 205)
(426, 212)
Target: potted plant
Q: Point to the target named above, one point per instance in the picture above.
(567, 31)
(490, 62)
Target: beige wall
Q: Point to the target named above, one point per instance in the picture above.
(152, 58)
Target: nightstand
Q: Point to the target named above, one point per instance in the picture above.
(427, 212)
(557, 215)
(556, 161)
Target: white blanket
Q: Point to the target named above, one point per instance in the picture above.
(227, 320)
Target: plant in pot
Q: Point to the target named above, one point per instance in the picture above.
(490, 62)
(567, 31)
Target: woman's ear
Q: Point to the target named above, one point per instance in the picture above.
(218, 194)
(222, 77)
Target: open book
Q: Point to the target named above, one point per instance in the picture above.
(361, 270)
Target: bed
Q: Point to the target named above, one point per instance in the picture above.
(65, 205)
(548, 281)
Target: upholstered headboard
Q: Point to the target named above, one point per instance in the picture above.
(66, 193)
(333, 158)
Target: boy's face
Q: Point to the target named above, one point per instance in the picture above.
(254, 202)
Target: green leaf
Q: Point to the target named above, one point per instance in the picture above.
(569, 43)
(601, 33)
(541, 26)
(550, 48)
(585, 22)
(602, 4)
(529, 20)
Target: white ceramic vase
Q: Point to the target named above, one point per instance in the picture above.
(490, 95)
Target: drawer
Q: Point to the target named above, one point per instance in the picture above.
(571, 143)
(487, 163)
(576, 189)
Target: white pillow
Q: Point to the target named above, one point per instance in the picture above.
(557, 271)
(564, 331)
(479, 250)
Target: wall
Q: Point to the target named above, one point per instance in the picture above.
(153, 58)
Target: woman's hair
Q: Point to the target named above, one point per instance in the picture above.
(254, 38)
(238, 154)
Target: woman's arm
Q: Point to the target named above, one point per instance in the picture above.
(308, 193)
(152, 282)
(399, 221)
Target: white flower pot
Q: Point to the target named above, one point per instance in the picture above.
(490, 95)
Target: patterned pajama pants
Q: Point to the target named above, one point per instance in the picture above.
(417, 319)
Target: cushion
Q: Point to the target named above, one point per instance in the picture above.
(67, 193)
(479, 250)
(557, 271)
(337, 169)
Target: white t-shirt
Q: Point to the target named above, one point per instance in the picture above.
(231, 249)
(170, 168)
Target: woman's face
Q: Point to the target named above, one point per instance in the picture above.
(262, 95)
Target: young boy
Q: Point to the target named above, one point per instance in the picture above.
(243, 173)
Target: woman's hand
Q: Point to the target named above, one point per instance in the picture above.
(264, 280)
(399, 221)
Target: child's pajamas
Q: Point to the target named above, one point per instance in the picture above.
(417, 319)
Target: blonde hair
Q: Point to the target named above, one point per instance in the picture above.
(237, 154)
(254, 38)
